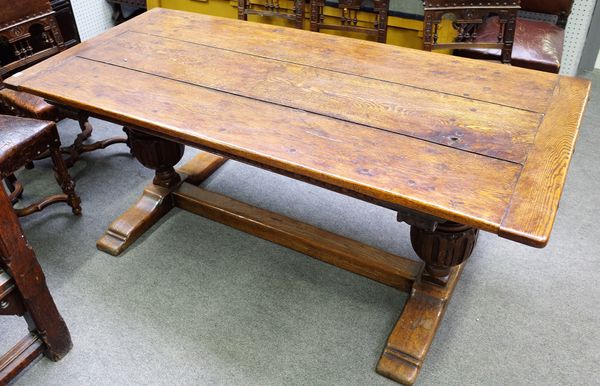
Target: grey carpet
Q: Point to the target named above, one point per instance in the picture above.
(196, 302)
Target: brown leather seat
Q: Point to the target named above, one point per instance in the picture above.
(24, 139)
(537, 45)
(468, 18)
(25, 104)
(16, 135)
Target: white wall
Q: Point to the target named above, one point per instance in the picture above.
(92, 16)
(598, 61)
(575, 35)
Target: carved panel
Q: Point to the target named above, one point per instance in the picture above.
(273, 8)
(349, 17)
(468, 16)
(12, 14)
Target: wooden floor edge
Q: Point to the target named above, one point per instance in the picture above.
(395, 271)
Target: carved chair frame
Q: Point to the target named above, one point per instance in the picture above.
(272, 8)
(469, 15)
(349, 18)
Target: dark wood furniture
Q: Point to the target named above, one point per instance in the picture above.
(25, 26)
(28, 105)
(21, 141)
(66, 22)
(15, 187)
(119, 17)
(272, 8)
(28, 33)
(23, 292)
(537, 45)
(469, 17)
(451, 153)
(349, 19)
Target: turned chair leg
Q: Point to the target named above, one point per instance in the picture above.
(62, 175)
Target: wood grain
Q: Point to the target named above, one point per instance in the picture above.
(395, 271)
(440, 135)
(449, 183)
(534, 204)
(455, 121)
(490, 82)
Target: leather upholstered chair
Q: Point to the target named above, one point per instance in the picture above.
(24, 139)
(538, 44)
(23, 292)
(469, 17)
(27, 105)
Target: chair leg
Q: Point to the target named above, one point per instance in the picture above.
(15, 187)
(62, 175)
(74, 151)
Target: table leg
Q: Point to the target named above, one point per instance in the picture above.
(443, 251)
(156, 200)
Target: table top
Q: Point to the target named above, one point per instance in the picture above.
(483, 144)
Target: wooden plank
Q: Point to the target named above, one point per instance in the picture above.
(480, 80)
(433, 180)
(392, 270)
(479, 127)
(534, 204)
(429, 178)
(20, 356)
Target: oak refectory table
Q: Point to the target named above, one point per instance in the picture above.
(452, 145)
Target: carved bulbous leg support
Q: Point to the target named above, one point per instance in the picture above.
(449, 245)
(158, 154)
(444, 246)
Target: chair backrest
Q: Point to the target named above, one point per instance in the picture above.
(469, 15)
(349, 19)
(552, 7)
(10, 12)
(272, 8)
(560, 8)
(34, 34)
